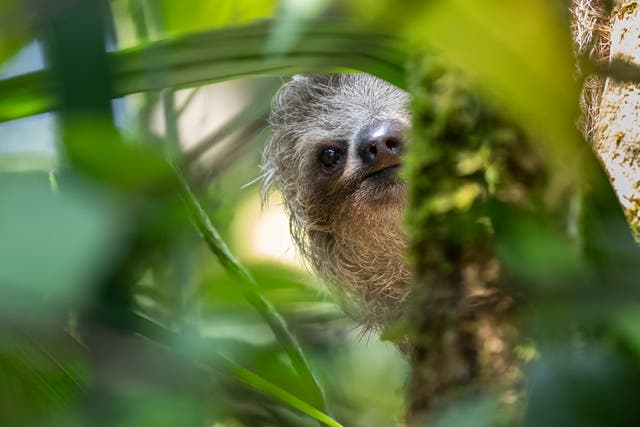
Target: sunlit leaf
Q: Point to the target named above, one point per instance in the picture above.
(290, 25)
(196, 15)
(518, 51)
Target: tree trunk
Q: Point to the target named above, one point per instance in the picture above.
(493, 228)
(615, 124)
(467, 168)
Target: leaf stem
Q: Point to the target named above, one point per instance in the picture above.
(251, 291)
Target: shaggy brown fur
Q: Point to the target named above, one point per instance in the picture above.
(345, 222)
(590, 28)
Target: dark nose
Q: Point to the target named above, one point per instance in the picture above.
(380, 145)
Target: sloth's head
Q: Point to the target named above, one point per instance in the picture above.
(337, 147)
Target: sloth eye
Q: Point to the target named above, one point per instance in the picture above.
(329, 157)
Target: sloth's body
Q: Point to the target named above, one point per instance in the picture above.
(337, 144)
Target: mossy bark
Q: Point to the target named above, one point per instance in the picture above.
(467, 166)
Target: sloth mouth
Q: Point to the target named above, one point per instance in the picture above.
(383, 186)
(390, 171)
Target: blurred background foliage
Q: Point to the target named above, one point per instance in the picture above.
(130, 138)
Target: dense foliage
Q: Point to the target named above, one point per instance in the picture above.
(121, 303)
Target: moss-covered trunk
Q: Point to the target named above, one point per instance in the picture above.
(468, 168)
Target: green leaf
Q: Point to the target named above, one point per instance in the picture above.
(273, 390)
(13, 28)
(54, 247)
(291, 22)
(253, 293)
(98, 150)
(219, 55)
(625, 324)
(197, 15)
(595, 386)
(480, 411)
(39, 376)
(200, 352)
(538, 252)
(519, 51)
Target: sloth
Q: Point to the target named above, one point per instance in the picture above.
(335, 154)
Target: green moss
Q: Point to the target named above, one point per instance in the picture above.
(464, 159)
(458, 159)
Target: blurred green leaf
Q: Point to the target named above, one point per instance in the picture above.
(626, 324)
(196, 15)
(97, 149)
(271, 389)
(594, 386)
(366, 381)
(204, 352)
(291, 21)
(14, 28)
(159, 409)
(265, 369)
(40, 375)
(537, 251)
(519, 51)
(54, 247)
(27, 96)
(472, 412)
(221, 55)
(253, 293)
(284, 287)
(608, 242)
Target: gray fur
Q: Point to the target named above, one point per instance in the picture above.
(348, 229)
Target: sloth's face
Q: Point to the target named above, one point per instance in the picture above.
(349, 147)
(337, 148)
(365, 166)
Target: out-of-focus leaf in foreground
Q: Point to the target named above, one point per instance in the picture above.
(13, 28)
(542, 257)
(220, 55)
(291, 21)
(204, 14)
(571, 387)
(54, 246)
(518, 51)
(40, 376)
(98, 150)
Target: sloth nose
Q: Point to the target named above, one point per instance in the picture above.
(380, 145)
